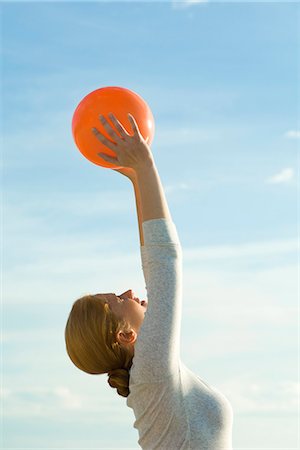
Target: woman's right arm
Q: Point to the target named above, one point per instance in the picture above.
(153, 202)
(158, 344)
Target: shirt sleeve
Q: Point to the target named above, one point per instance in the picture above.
(157, 348)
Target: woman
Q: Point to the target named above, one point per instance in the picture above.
(138, 343)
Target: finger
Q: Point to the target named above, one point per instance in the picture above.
(118, 125)
(108, 158)
(109, 129)
(104, 141)
(134, 124)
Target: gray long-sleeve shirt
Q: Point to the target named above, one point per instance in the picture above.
(173, 407)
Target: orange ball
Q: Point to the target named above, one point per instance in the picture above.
(119, 101)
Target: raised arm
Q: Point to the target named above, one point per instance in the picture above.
(158, 345)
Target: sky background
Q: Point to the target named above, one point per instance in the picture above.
(221, 81)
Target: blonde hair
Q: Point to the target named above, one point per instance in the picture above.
(91, 343)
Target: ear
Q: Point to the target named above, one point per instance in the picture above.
(127, 337)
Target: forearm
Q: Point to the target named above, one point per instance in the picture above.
(138, 209)
(150, 198)
(150, 194)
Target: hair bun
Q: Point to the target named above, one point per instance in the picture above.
(119, 379)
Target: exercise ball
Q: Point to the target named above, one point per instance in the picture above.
(119, 101)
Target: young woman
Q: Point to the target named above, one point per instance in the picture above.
(137, 343)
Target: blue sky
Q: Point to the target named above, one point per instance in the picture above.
(221, 81)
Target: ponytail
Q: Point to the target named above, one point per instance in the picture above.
(119, 379)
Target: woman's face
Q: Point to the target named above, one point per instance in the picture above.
(127, 306)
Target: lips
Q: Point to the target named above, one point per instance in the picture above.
(142, 303)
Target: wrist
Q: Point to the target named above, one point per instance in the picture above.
(144, 169)
(132, 177)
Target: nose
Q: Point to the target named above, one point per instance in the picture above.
(128, 294)
(131, 294)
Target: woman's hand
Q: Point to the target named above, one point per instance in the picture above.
(132, 151)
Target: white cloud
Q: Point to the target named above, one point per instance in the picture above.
(99, 203)
(237, 290)
(56, 401)
(52, 260)
(187, 3)
(56, 260)
(186, 135)
(285, 176)
(38, 400)
(67, 399)
(246, 394)
(50, 150)
(236, 251)
(292, 134)
(169, 189)
(220, 312)
(250, 395)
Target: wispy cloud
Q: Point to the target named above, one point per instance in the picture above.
(286, 176)
(171, 188)
(252, 395)
(239, 251)
(187, 3)
(53, 401)
(42, 146)
(40, 401)
(248, 394)
(74, 257)
(292, 134)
